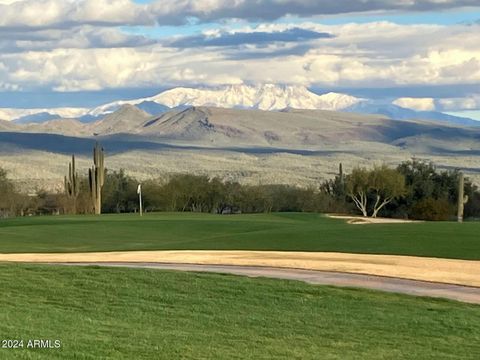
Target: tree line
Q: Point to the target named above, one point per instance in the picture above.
(415, 190)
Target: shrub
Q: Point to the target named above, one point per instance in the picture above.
(472, 207)
(432, 210)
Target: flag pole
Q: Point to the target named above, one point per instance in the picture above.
(139, 192)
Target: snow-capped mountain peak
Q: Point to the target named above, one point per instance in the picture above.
(263, 97)
(269, 97)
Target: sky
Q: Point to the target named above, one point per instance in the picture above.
(421, 54)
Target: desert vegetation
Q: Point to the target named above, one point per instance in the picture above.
(415, 190)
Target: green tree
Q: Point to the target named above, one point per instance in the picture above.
(119, 193)
(8, 195)
(357, 187)
(386, 185)
(381, 183)
(424, 181)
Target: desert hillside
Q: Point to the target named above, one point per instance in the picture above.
(299, 147)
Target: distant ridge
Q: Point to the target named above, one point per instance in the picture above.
(213, 127)
(399, 113)
(125, 120)
(290, 146)
(268, 97)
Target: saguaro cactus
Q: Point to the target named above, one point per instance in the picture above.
(462, 199)
(72, 186)
(340, 174)
(340, 183)
(96, 178)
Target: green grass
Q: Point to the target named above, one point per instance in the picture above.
(104, 313)
(283, 232)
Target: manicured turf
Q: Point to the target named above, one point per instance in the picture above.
(284, 232)
(101, 313)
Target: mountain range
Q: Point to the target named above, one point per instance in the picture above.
(263, 97)
(289, 146)
(286, 130)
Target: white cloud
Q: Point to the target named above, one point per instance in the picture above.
(65, 13)
(96, 69)
(467, 103)
(376, 54)
(420, 104)
(12, 114)
(84, 37)
(446, 104)
(9, 87)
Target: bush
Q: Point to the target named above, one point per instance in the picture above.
(119, 193)
(472, 207)
(11, 202)
(432, 210)
(203, 194)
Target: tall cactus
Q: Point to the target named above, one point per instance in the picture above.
(340, 186)
(72, 185)
(96, 178)
(462, 199)
(340, 174)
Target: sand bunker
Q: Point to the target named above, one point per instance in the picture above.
(463, 272)
(359, 220)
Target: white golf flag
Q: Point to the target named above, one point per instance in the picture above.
(139, 189)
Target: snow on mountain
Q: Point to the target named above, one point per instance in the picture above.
(112, 107)
(274, 97)
(262, 97)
